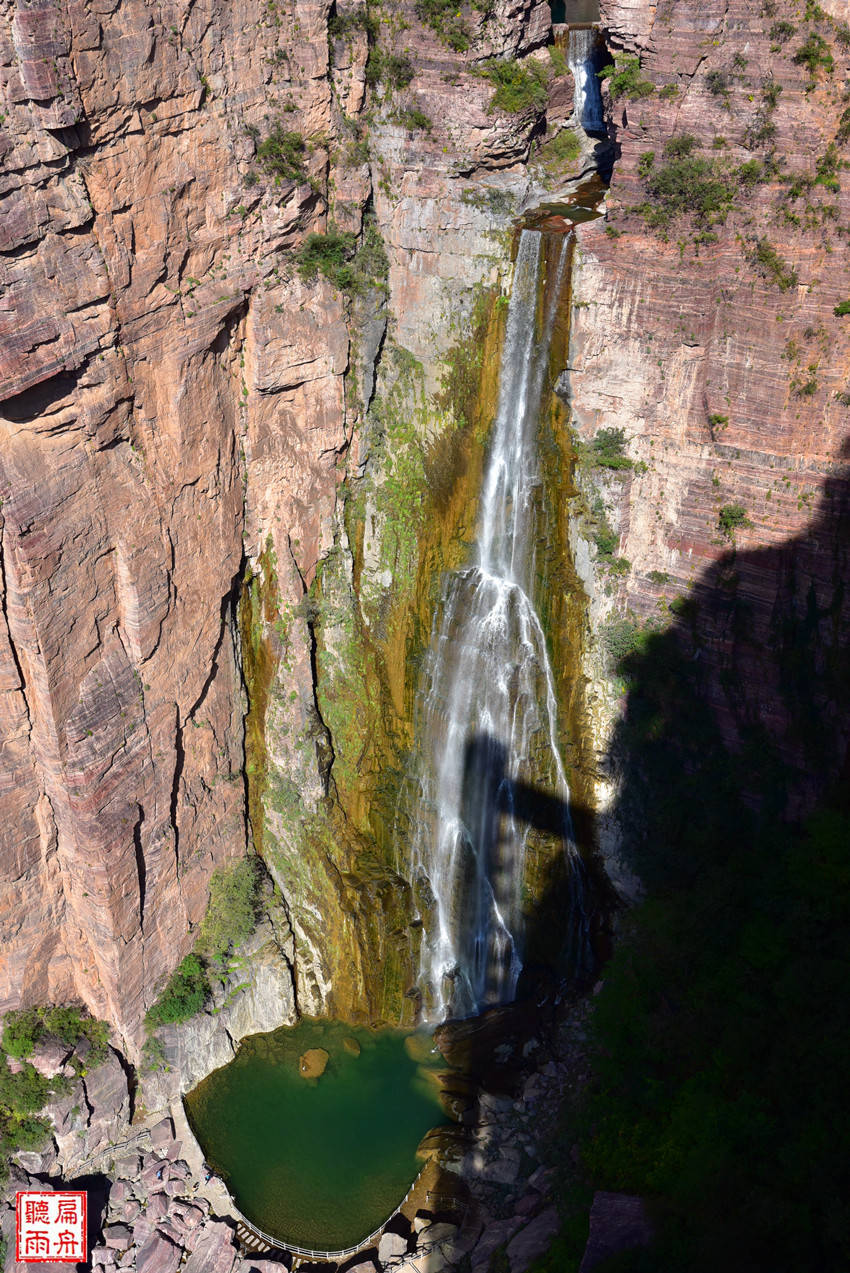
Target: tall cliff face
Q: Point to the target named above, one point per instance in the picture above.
(228, 488)
(705, 329)
(178, 399)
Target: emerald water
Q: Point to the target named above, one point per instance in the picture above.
(319, 1162)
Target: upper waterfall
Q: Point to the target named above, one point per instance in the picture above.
(581, 55)
(490, 769)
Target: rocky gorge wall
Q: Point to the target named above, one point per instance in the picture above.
(711, 339)
(180, 406)
(228, 488)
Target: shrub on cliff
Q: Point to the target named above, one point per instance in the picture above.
(772, 266)
(561, 151)
(415, 120)
(608, 450)
(519, 86)
(329, 254)
(22, 1096)
(625, 79)
(233, 908)
(442, 16)
(341, 25)
(282, 153)
(349, 268)
(23, 1029)
(732, 517)
(186, 994)
(687, 184)
(814, 53)
(393, 69)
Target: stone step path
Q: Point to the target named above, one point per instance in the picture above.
(250, 1240)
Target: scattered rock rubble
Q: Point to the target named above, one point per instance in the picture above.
(165, 1212)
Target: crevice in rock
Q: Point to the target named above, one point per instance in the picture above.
(227, 609)
(141, 868)
(179, 760)
(4, 599)
(89, 1107)
(132, 1080)
(36, 401)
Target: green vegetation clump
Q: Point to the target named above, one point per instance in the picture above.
(233, 908)
(231, 918)
(519, 87)
(25, 1093)
(392, 69)
(717, 83)
(343, 24)
(732, 517)
(686, 184)
(443, 18)
(22, 1096)
(558, 60)
(827, 168)
(751, 173)
(607, 450)
(646, 163)
(24, 1028)
(842, 308)
(815, 55)
(843, 133)
(563, 149)
(773, 267)
(186, 994)
(330, 254)
(282, 155)
(606, 540)
(782, 31)
(625, 79)
(622, 637)
(415, 120)
(336, 255)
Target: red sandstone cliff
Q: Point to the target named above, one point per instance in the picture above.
(172, 400)
(730, 382)
(174, 394)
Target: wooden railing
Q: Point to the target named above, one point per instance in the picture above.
(280, 1245)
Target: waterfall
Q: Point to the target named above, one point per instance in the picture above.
(581, 56)
(489, 763)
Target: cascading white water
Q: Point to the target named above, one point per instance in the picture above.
(487, 718)
(588, 93)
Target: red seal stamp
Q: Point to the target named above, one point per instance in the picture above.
(50, 1226)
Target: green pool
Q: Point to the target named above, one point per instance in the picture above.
(319, 1162)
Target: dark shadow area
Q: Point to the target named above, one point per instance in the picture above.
(721, 1035)
(97, 1188)
(495, 807)
(722, 1031)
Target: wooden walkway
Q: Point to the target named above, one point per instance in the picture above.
(255, 1242)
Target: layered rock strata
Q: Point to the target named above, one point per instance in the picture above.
(177, 399)
(711, 340)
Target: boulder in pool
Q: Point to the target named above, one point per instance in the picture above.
(312, 1063)
(351, 1045)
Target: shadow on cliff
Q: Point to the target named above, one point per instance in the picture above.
(722, 1031)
